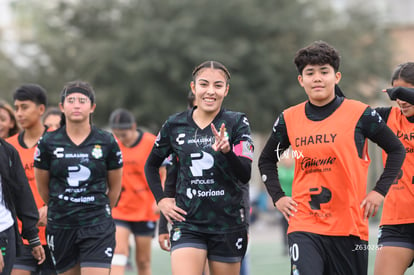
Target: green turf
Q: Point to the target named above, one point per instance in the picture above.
(265, 253)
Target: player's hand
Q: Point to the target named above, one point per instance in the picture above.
(39, 254)
(171, 211)
(371, 204)
(394, 92)
(221, 142)
(164, 241)
(155, 208)
(1, 262)
(42, 216)
(287, 206)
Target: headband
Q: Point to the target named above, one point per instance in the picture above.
(77, 89)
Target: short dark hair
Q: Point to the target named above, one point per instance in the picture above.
(317, 53)
(404, 71)
(32, 92)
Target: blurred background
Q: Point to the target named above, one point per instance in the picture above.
(139, 54)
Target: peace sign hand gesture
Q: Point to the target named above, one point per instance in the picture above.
(221, 142)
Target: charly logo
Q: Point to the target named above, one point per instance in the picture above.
(180, 139)
(246, 121)
(109, 251)
(59, 152)
(315, 139)
(239, 243)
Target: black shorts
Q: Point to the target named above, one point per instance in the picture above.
(27, 262)
(8, 248)
(313, 254)
(399, 235)
(90, 246)
(221, 247)
(146, 228)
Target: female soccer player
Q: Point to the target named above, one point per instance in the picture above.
(52, 118)
(8, 123)
(136, 211)
(208, 211)
(78, 169)
(396, 234)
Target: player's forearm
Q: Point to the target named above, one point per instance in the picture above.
(42, 181)
(114, 186)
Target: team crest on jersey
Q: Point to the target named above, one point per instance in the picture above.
(97, 152)
(176, 235)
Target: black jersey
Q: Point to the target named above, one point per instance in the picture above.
(207, 187)
(78, 176)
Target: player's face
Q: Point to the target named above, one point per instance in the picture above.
(126, 136)
(28, 114)
(319, 83)
(52, 122)
(6, 123)
(77, 107)
(210, 88)
(406, 108)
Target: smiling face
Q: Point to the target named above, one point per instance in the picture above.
(210, 87)
(319, 83)
(406, 108)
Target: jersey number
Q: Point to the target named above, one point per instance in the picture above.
(51, 242)
(294, 252)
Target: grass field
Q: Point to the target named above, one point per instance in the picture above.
(265, 253)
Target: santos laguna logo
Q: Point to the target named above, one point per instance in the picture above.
(191, 193)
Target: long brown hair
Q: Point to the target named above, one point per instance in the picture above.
(5, 106)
